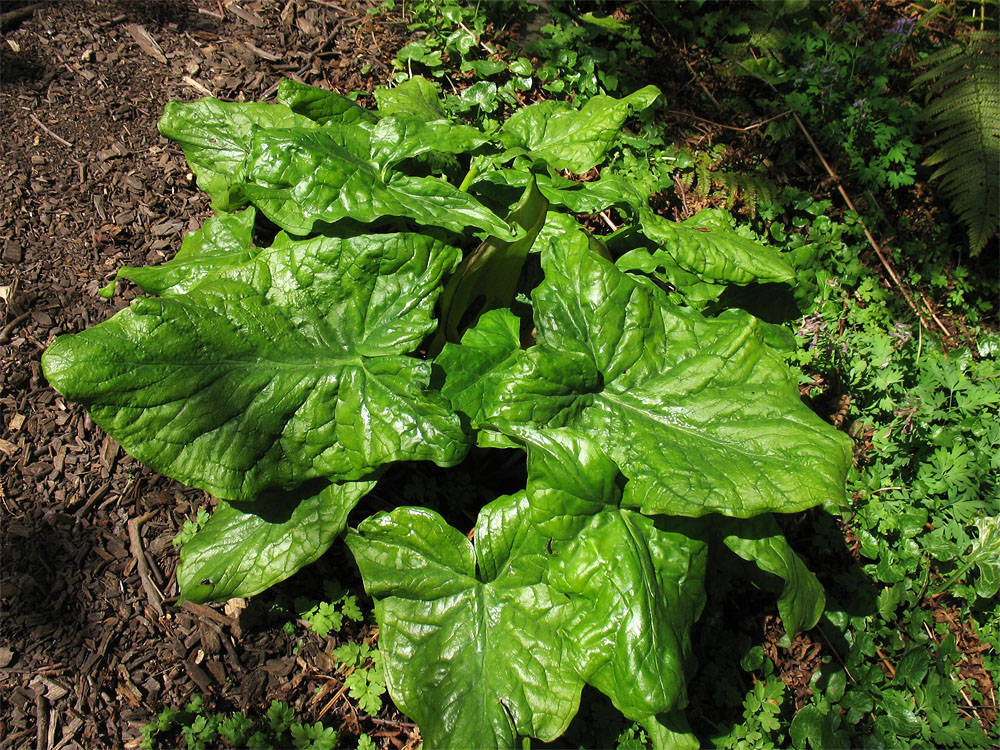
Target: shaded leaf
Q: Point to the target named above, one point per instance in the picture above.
(247, 547)
(759, 540)
(487, 277)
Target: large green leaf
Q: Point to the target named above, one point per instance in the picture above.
(713, 255)
(398, 138)
(216, 137)
(223, 240)
(489, 347)
(566, 138)
(280, 370)
(320, 105)
(416, 97)
(578, 197)
(248, 547)
(698, 413)
(474, 659)
(562, 228)
(759, 540)
(636, 585)
(299, 177)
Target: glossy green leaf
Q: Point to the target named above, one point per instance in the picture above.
(578, 197)
(713, 255)
(299, 177)
(322, 106)
(398, 138)
(416, 96)
(223, 240)
(759, 540)
(247, 547)
(661, 266)
(712, 415)
(636, 585)
(280, 370)
(216, 137)
(986, 555)
(488, 348)
(564, 229)
(566, 138)
(475, 659)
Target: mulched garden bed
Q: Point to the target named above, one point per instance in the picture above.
(91, 644)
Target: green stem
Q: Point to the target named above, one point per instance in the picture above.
(471, 175)
(962, 570)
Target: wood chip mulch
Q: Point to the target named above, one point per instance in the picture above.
(92, 644)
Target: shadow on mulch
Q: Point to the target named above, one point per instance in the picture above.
(43, 581)
(21, 67)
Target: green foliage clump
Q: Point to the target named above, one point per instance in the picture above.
(398, 317)
(194, 728)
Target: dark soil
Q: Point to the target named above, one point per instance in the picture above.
(92, 645)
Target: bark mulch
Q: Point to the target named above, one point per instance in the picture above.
(92, 644)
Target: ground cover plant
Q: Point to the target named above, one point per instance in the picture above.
(395, 316)
(924, 490)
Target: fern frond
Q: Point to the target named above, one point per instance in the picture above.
(964, 111)
(749, 187)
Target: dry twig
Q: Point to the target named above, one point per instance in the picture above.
(152, 593)
(6, 331)
(748, 128)
(38, 122)
(871, 239)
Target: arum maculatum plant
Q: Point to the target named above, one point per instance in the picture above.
(429, 290)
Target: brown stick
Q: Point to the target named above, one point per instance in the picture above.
(683, 192)
(730, 127)
(152, 594)
(5, 333)
(38, 122)
(871, 240)
(927, 306)
(202, 611)
(41, 722)
(13, 16)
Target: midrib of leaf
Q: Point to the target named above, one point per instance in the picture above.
(680, 426)
(274, 364)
